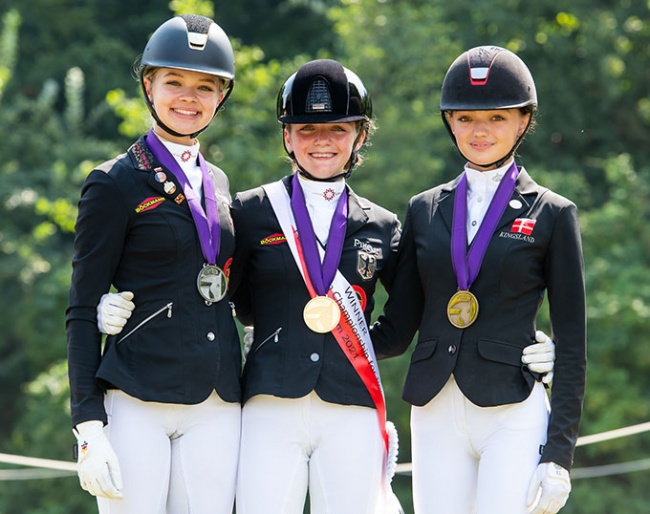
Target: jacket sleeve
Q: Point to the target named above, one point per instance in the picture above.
(390, 267)
(564, 269)
(239, 287)
(99, 238)
(395, 328)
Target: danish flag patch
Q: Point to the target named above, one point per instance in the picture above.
(523, 226)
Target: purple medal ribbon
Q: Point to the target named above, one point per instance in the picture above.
(321, 276)
(467, 264)
(206, 222)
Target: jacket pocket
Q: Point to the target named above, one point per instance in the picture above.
(166, 309)
(424, 350)
(275, 337)
(500, 351)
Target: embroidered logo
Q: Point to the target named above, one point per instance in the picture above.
(149, 203)
(273, 239)
(523, 226)
(329, 194)
(366, 265)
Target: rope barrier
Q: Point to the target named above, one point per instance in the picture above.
(34, 462)
(406, 468)
(614, 434)
(56, 468)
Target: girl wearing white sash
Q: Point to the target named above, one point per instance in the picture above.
(309, 421)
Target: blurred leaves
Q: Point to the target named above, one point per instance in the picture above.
(68, 102)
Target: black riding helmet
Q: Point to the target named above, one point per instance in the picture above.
(323, 91)
(487, 78)
(194, 43)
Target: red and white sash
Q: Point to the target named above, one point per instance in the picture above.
(351, 333)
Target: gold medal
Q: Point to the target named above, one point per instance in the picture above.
(321, 314)
(212, 283)
(462, 309)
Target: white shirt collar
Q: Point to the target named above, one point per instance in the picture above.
(321, 194)
(321, 199)
(485, 181)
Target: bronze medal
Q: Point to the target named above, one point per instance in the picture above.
(321, 314)
(212, 283)
(462, 309)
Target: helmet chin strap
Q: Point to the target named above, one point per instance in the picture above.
(500, 162)
(346, 174)
(171, 131)
(496, 164)
(352, 161)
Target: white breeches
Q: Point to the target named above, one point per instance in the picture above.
(291, 445)
(174, 459)
(475, 460)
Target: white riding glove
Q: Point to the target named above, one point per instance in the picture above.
(549, 489)
(540, 356)
(113, 311)
(97, 465)
(249, 336)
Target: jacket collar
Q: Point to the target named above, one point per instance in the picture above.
(357, 208)
(526, 190)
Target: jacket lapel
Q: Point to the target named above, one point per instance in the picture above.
(357, 215)
(522, 198)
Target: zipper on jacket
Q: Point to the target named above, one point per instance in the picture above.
(274, 336)
(167, 308)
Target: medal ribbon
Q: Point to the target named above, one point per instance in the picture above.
(355, 349)
(352, 332)
(321, 276)
(206, 221)
(467, 264)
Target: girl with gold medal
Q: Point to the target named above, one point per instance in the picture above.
(476, 258)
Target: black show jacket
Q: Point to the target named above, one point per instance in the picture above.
(133, 235)
(287, 359)
(517, 270)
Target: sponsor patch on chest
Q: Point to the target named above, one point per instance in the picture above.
(149, 203)
(273, 239)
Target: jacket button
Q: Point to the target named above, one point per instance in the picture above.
(314, 357)
(452, 349)
(210, 336)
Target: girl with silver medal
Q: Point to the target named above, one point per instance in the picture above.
(156, 413)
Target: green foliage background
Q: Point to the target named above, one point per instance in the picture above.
(68, 102)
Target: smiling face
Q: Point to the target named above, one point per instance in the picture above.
(185, 101)
(486, 136)
(323, 149)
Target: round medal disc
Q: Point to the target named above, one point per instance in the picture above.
(212, 283)
(462, 309)
(321, 314)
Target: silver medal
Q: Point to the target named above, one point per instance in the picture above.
(212, 283)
